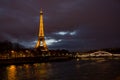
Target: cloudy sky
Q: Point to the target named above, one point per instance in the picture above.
(69, 24)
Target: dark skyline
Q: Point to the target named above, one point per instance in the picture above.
(69, 24)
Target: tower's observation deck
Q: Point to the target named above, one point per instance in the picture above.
(41, 44)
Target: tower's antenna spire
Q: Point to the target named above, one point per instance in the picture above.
(41, 11)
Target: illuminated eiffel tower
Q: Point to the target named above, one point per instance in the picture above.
(41, 44)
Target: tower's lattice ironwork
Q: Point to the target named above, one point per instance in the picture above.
(41, 44)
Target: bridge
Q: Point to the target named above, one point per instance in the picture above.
(97, 54)
(101, 53)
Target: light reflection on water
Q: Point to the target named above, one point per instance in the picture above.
(11, 75)
(70, 70)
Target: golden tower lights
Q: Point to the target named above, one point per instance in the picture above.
(41, 44)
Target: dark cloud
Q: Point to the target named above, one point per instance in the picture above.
(96, 22)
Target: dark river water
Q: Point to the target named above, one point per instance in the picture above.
(68, 70)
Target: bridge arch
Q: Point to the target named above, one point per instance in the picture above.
(101, 53)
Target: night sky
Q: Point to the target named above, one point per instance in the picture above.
(69, 24)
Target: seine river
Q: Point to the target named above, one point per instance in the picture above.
(68, 70)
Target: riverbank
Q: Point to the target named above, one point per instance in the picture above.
(24, 60)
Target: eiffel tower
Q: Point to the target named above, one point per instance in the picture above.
(41, 44)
